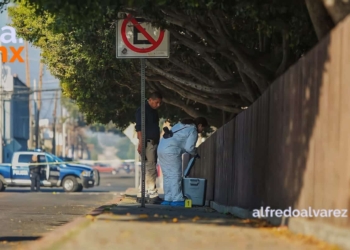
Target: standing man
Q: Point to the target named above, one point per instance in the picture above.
(35, 170)
(152, 134)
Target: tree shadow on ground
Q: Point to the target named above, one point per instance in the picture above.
(19, 238)
(54, 191)
(168, 214)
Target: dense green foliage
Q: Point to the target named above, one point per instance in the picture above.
(224, 54)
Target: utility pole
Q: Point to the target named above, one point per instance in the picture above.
(64, 130)
(1, 110)
(30, 142)
(54, 126)
(37, 117)
(35, 87)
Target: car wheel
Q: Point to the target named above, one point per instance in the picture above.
(70, 184)
(80, 188)
(97, 177)
(2, 186)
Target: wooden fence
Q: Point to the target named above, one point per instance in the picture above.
(292, 146)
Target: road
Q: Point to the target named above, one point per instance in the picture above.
(27, 216)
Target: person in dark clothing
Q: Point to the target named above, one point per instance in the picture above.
(35, 170)
(152, 135)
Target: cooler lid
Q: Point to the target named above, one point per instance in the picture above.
(189, 166)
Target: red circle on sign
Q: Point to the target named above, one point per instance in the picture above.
(155, 44)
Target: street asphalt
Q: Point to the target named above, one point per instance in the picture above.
(27, 216)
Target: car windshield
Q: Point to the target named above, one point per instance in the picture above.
(56, 158)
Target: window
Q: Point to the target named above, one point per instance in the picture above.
(25, 158)
(50, 158)
(41, 158)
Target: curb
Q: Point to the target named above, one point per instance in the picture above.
(69, 230)
(52, 238)
(101, 209)
(130, 192)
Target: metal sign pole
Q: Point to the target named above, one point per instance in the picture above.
(143, 131)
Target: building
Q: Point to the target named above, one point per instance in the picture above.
(15, 98)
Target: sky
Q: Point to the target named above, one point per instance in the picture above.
(49, 81)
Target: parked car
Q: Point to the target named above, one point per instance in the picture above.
(127, 167)
(104, 168)
(72, 177)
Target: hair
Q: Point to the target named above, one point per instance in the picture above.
(156, 95)
(196, 121)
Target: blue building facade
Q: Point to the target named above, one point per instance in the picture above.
(15, 98)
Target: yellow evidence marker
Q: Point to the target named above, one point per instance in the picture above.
(188, 203)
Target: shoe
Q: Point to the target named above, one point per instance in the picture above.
(165, 203)
(177, 204)
(155, 200)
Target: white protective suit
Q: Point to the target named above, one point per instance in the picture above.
(170, 152)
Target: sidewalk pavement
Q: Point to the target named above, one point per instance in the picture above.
(125, 225)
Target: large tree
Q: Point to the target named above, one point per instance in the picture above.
(104, 88)
(224, 54)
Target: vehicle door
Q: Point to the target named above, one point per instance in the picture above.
(43, 164)
(20, 169)
(53, 169)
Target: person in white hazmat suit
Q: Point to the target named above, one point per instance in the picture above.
(183, 138)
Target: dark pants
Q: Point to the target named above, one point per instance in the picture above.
(35, 179)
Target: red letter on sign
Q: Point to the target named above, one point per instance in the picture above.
(16, 54)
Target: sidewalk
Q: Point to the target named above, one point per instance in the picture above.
(127, 226)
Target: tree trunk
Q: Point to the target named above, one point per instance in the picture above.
(337, 9)
(320, 18)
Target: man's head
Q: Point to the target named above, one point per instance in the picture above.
(34, 158)
(201, 123)
(155, 100)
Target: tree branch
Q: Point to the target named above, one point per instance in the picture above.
(261, 83)
(320, 18)
(190, 44)
(199, 98)
(285, 49)
(189, 25)
(180, 80)
(337, 9)
(251, 96)
(190, 70)
(228, 100)
(233, 46)
(168, 98)
(222, 74)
